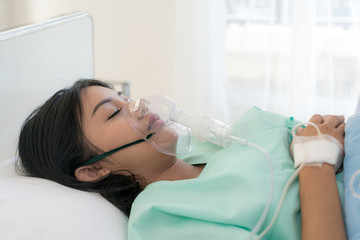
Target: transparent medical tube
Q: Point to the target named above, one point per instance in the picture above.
(204, 127)
(289, 182)
(263, 216)
(281, 201)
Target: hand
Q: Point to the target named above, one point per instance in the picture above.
(332, 125)
(321, 215)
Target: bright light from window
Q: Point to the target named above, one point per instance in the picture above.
(261, 52)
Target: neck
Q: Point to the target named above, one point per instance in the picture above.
(180, 170)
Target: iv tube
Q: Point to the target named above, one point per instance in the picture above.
(289, 182)
(263, 216)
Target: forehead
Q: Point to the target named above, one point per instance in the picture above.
(92, 95)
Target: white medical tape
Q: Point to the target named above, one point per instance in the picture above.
(316, 150)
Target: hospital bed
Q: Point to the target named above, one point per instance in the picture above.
(35, 61)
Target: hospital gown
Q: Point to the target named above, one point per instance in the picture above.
(227, 199)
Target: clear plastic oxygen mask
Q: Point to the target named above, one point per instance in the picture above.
(150, 119)
(204, 127)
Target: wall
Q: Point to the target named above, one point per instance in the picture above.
(134, 39)
(3, 14)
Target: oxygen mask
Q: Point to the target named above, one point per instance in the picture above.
(151, 120)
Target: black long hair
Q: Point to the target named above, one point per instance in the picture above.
(52, 146)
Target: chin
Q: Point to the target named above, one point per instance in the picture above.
(167, 138)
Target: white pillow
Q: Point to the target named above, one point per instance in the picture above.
(33, 208)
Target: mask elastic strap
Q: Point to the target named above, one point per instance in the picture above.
(106, 154)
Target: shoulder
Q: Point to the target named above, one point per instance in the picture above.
(256, 121)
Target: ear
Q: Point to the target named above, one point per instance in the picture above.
(91, 173)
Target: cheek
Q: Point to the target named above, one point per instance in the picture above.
(118, 134)
(111, 135)
(166, 139)
(168, 135)
(135, 158)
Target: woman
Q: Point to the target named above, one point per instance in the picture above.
(63, 139)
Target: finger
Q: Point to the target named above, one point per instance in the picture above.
(317, 118)
(339, 117)
(334, 120)
(300, 130)
(341, 133)
(341, 127)
(307, 130)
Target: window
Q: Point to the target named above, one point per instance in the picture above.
(277, 48)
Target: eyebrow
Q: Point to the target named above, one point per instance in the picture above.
(106, 100)
(102, 102)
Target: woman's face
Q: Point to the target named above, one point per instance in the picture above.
(104, 126)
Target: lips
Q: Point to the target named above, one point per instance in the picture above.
(154, 121)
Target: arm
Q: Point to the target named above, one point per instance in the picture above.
(321, 215)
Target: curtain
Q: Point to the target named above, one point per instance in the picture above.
(292, 57)
(200, 76)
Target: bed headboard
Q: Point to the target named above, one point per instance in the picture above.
(35, 61)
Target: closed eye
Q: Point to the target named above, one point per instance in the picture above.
(114, 114)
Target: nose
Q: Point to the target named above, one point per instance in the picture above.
(138, 108)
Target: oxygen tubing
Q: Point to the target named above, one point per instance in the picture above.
(265, 212)
(288, 184)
